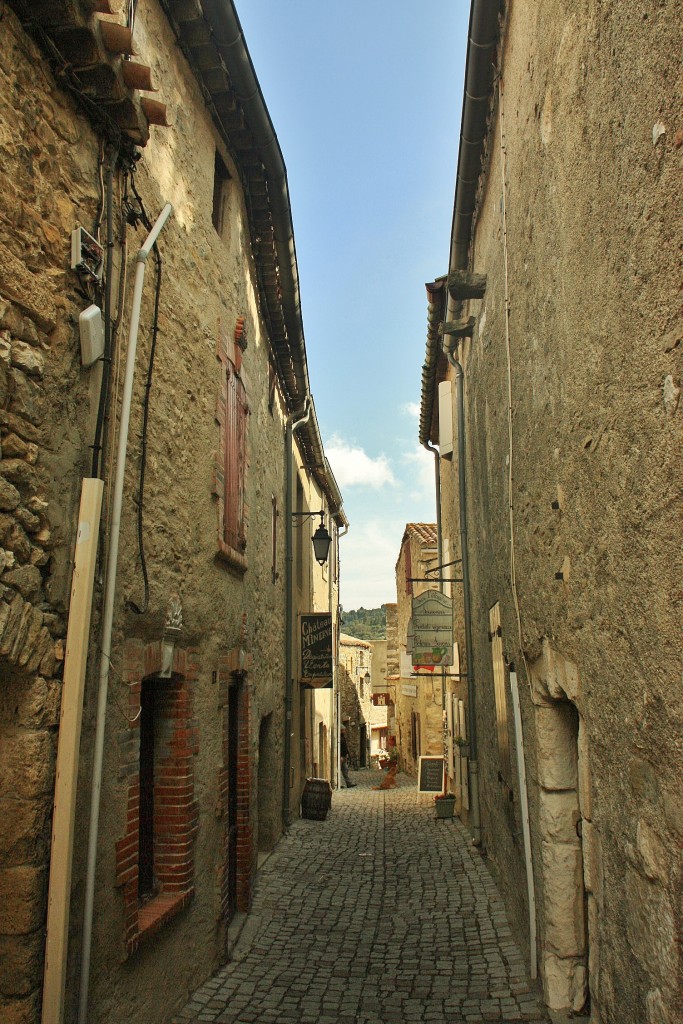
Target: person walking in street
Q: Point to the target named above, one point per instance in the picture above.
(344, 752)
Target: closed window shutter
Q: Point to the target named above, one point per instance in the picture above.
(235, 462)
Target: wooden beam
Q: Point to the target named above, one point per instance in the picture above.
(75, 663)
(458, 328)
(464, 285)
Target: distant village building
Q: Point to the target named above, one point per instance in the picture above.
(193, 708)
(365, 721)
(551, 387)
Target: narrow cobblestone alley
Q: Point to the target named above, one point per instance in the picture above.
(378, 915)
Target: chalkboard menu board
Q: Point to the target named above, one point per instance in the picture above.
(316, 649)
(430, 775)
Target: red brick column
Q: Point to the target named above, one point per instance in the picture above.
(176, 814)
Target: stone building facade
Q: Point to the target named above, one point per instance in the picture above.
(208, 734)
(418, 697)
(559, 312)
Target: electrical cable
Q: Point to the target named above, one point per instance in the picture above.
(131, 605)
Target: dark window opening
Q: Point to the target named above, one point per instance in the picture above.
(221, 186)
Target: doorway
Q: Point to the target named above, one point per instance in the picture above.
(232, 831)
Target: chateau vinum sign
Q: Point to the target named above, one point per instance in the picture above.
(432, 630)
(316, 649)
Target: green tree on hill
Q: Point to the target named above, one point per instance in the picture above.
(366, 623)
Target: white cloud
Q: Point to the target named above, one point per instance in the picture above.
(368, 558)
(421, 465)
(411, 409)
(352, 466)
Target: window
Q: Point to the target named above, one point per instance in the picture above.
(221, 190)
(155, 855)
(495, 634)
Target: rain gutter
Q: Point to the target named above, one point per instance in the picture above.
(228, 38)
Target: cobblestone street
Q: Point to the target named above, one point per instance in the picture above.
(378, 915)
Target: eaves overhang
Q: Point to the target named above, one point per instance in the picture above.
(482, 42)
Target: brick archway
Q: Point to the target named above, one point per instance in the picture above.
(176, 813)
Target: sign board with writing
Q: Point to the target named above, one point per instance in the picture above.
(430, 775)
(316, 649)
(409, 689)
(432, 630)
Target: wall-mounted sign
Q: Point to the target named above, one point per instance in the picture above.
(381, 700)
(430, 775)
(432, 630)
(409, 689)
(316, 649)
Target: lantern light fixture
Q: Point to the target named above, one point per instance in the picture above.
(321, 538)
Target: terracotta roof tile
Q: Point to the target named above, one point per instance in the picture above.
(425, 532)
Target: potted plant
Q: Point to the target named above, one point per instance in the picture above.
(444, 805)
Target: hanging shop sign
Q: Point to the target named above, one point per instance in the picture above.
(316, 649)
(432, 630)
(381, 700)
(430, 775)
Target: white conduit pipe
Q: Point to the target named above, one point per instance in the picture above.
(108, 611)
(524, 801)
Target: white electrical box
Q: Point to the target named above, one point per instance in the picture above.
(92, 335)
(87, 255)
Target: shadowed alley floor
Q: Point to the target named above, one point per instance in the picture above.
(379, 915)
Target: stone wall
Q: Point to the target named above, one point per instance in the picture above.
(232, 621)
(584, 244)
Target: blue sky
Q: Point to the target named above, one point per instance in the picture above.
(366, 98)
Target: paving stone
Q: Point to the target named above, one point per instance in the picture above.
(380, 915)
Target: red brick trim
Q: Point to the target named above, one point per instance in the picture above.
(176, 813)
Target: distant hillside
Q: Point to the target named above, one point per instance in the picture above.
(366, 623)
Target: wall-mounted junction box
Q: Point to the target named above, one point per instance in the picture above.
(92, 335)
(87, 255)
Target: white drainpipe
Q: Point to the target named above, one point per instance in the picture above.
(108, 610)
(524, 800)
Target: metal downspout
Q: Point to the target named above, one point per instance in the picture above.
(292, 425)
(473, 761)
(439, 540)
(108, 609)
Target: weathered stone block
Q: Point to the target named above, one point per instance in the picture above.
(563, 904)
(584, 773)
(592, 860)
(15, 540)
(9, 495)
(19, 472)
(24, 288)
(22, 427)
(21, 1011)
(653, 854)
(21, 958)
(8, 629)
(27, 765)
(564, 983)
(559, 815)
(14, 447)
(25, 832)
(22, 899)
(557, 751)
(26, 397)
(28, 358)
(25, 578)
(650, 927)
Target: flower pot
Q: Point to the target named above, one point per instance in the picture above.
(445, 807)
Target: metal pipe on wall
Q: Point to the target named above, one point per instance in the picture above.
(293, 424)
(108, 609)
(473, 762)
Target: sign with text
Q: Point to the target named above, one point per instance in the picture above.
(430, 775)
(316, 649)
(432, 630)
(409, 689)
